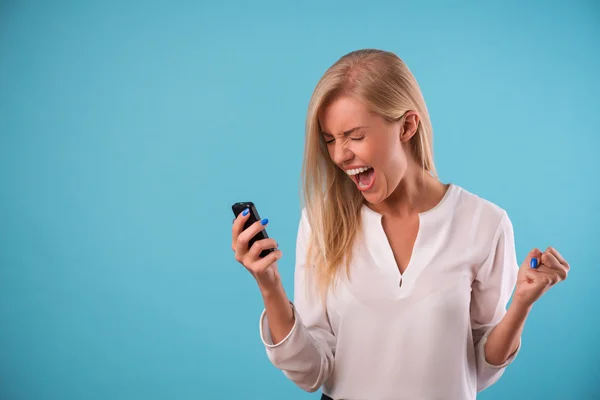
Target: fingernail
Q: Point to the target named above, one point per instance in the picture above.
(245, 212)
(264, 221)
(534, 263)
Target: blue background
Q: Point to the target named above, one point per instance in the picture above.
(128, 129)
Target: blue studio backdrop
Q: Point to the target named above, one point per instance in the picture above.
(128, 129)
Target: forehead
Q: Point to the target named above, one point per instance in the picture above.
(342, 114)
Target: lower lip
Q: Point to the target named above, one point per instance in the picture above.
(365, 188)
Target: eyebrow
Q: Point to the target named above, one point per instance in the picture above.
(346, 133)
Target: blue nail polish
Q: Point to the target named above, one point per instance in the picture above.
(534, 263)
(245, 212)
(264, 221)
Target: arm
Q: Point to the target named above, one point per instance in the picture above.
(506, 336)
(279, 312)
(532, 283)
(496, 332)
(305, 351)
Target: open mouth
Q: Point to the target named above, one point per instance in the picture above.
(363, 177)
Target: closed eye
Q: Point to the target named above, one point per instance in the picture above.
(329, 140)
(328, 137)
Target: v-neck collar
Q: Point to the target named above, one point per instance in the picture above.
(381, 250)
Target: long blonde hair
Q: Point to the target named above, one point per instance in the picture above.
(383, 82)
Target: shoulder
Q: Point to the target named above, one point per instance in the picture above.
(480, 221)
(476, 209)
(304, 224)
(484, 226)
(304, 228)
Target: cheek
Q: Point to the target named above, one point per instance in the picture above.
(330, 152)
(393, 164)
(389, 155)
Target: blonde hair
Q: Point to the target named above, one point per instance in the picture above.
(383, 82)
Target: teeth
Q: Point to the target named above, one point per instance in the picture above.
(356, 171)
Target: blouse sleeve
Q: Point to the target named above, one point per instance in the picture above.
(490, 294)
(306, 354)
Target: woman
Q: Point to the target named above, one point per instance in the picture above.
(401, 281)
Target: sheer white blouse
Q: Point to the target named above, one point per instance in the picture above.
(417, 335)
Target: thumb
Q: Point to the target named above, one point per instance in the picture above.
(533, 258)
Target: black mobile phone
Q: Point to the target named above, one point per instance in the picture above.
(241, 206)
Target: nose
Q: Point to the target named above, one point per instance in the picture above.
(341, 153)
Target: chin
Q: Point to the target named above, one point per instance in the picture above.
(374, 197)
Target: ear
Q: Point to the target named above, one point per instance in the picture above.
(410, 123)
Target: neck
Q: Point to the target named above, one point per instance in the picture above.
(417, 192)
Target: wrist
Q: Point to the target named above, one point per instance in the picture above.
(275, 298)
(269, 288)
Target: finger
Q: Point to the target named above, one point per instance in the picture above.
(244, 238)
(533, 258)
(549, 260)
(238, 226)
(548, 275)
(263, 263)
(261, 245)
(558, 256)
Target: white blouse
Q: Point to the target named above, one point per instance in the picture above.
(423, 339)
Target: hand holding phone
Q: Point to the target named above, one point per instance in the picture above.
(253, 217)
(252, 246)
